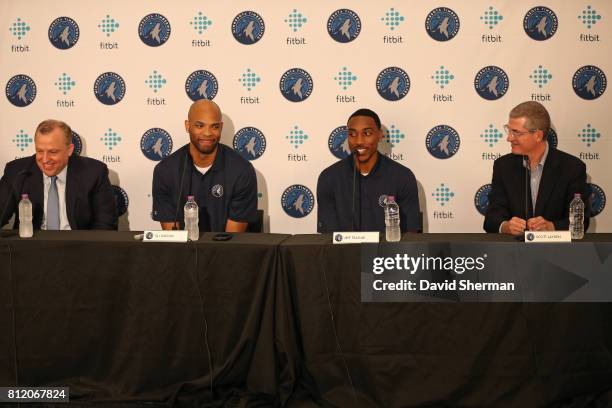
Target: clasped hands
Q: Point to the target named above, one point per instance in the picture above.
(517, 226)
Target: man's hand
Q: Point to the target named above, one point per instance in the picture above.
(516, 226)
(540, 224)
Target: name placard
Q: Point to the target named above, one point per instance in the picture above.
(359, 237)
(536, 237)
(165, 236)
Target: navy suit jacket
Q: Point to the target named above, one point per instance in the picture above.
(563, 176)
(90, 201)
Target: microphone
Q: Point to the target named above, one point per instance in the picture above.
(354, 153)
(526, 164)
(25, 173)
(527, 172)
(178, 197)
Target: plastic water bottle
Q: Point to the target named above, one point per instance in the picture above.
(392, 220)
(576, 217)
(26, 230)
(192, 219)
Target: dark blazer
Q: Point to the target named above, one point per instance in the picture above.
(90, 201)
(563, 176)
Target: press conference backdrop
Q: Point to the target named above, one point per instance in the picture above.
(442, 76)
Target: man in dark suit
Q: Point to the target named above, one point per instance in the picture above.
(533, 186)
(66, 191)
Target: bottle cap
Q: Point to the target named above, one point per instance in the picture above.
(24, 196)
(190, 197)
(390, 199)
(576, 194)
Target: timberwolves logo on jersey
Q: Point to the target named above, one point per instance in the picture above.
(393, 83)
(338, 142)
(248, 27)
(296, 85)
(121, 200)
(63, 33)
(201, 85)
(551, 138)
(481, 199)
(382, 200)
(217, 191)
(77, 142)
(156, 144)
(540, 23)
(250, 143)
(598, 199)
(491, 83)
(154, 30)
(21, 90)
(297, 201)
(589, 82)
(442, 142)
(442, 24)
(344, 25)
(109, 88)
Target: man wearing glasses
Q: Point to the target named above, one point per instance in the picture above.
(532, 187)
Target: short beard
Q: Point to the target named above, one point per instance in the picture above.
(208, 150)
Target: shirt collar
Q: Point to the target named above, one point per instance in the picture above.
(379, 159)
(542, 159)
(217, 164)
(61, 176)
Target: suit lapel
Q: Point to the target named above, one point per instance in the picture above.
(71, 190)
(519, 179)
(547, 183)
(37, 195)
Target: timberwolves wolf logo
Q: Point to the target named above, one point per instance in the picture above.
(248, 27)
(121, 200)
(491, 83)
(598, 199)
(250, 143)
(481, 199)
(21, 90)
(344, 25)
(296, 85)
(201, 85)
(78, 143)
(297, 201)
(393, 83)
(154, 30)
(63, 33)
(589, 82)
(442, 142)
(217, 191)
(338, 142)
(109, 88)
(156, 144)
(540, 23)
(382, 200)
(442, 24)
(551, 138)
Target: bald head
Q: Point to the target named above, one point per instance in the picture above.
(204, 125)
(204, 106)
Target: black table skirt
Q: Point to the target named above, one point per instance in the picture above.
(124, 322)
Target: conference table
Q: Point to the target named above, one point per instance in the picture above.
(278, 320)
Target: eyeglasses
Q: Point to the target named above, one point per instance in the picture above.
(516, 133)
